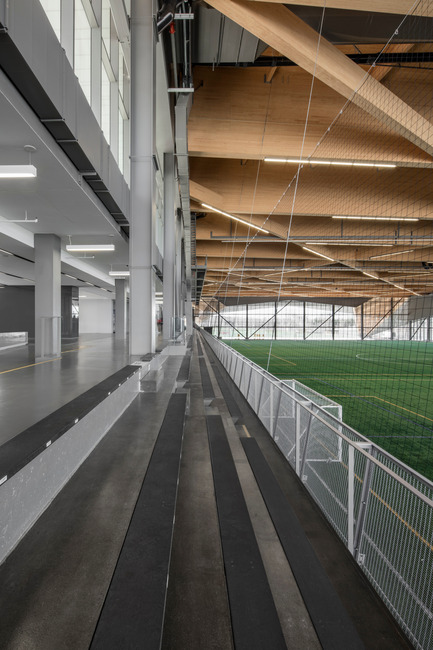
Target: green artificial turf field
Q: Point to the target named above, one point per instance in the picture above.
(383, 386)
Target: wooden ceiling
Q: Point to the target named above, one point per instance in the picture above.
(324, 107)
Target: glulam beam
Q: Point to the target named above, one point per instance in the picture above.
(283, 30)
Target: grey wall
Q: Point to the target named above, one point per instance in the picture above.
(17, 311)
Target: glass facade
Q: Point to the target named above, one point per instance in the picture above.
(100, 65)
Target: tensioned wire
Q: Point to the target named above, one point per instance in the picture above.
(295, 178)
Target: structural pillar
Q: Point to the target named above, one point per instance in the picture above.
(47, 297)
(169, 248)
(142, 294)
(121, 309)
(178, 276)
(188, 310)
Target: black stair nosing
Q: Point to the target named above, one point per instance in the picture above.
(255, 621)
(133, 612)
(199, 348)
(208, 391)
(334, 627)
(183, 374)
(229, 398)
(17, 452)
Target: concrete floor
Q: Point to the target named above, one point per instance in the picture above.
(29, 391)
(54, 583)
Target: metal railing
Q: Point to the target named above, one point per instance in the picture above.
(380, 508)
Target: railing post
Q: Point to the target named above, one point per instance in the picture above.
(277, 411)
(304, 455)
(271, 408)
(298, 439)
(350, 497)
(362, 512)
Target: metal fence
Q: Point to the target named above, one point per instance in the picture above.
(381, 509)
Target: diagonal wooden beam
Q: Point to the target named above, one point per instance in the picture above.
(280, 28)
(401, 7)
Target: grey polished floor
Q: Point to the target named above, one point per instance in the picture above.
(29, 391)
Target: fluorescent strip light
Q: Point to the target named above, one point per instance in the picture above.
(319, 254)
(352, 243)
(375, 218)
(18, 171)
(230, 216)
(2, 250)
(375, 257)
(87, 248)
(70, 276)
(344, 163)
(119, 274)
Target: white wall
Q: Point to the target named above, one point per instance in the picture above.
(96, 316)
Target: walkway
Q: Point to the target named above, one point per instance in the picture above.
(55, 583)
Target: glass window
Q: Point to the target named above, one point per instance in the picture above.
(121, 152)
(105, 103)
(52, 9)
(82, 52)
(106, 25)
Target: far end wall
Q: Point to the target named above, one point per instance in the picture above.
(96, 316)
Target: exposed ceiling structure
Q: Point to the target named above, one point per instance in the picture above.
(349, 90)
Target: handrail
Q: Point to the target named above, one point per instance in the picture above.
(384, 519)
(284, 388)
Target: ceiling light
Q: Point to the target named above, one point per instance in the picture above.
(87, 248)
(352, 243)
(230, 216)
(375, 257)
(70, 276)
(376, 218)
(2, 250)
(345, 163)
(319, 254)
(18, 171)
(119, 274)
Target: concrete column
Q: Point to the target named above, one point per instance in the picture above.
(188, 311)
(121, 309)
(47, 297)
(178, 274)
(142, 294)
(169, 247)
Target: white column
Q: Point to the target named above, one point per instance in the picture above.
(169, 247)
(188, 311)
(142, 304)
(47, 297)
(121, 309)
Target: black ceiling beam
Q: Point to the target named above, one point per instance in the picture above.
(394, 59)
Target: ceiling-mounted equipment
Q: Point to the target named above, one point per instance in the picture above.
(18, 171)
(89, 248)
(230, 216)
(343, 163)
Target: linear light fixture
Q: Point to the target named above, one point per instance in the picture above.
(2, 250)
(333, 243)
(319, 254)
(18, 171)
(70, 276)
(375, 257)
(344, 163)
(255, 240)
(89, 248)
(119, 274)
(230, 216)
(375, 218)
